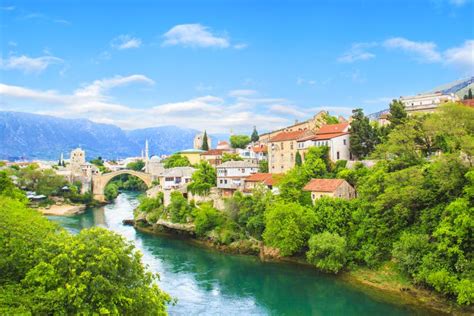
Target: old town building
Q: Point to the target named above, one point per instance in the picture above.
(336, 188)
(231, 176)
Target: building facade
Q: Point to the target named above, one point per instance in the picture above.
(426, 103)
(335, 188)
(282, 150)
(231, 176)
(176, 178)
(335, 136)
(198, 140)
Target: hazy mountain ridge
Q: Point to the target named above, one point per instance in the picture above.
(33, 136)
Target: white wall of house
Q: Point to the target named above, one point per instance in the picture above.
(338, 147)
(233, 178)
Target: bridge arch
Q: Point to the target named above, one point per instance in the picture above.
(100, 181)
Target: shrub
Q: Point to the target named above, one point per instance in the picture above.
(207, 218)
(327, 252)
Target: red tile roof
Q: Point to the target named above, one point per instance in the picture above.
(323, 185)
(328, 132)
(266, 178)
(284, 136)
(214, 152)
(222, 142)
(333, 128)
(260, 149)
(468, 102)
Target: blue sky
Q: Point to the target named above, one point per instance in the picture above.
(221, 65)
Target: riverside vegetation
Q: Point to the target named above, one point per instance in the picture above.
(413, 213)
(46, 270)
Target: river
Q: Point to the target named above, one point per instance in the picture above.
(206, 282)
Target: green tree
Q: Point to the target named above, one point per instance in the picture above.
(207, 218)
(231, 157)
(203, 179)
(298, 160)
(239, 141)
(363, 136)
(179, 209)
(99, 162)
(409, 251)
(8, 188)
(327, 251)
(254, 137)
(176, 160)
(397, 113)
(111, 191)
(288, 227)
(137, 165)
(46, 270)
(263, 166)
(205, 142)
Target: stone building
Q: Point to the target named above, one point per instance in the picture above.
(198, 139)
(282, 150)
(336, 188)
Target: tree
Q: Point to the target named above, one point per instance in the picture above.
(231, 157)
(298, 160)
(205, 143)
(176, 160)
(239, 141)
(179, 209)
(363, 136)
(203, 179)
(468, 96)
(254, 137)
(111, 191)
(137, 165)
(327, 252)
(263, 166)
(288, 227)
(207, 218)
(46, 270)
(397, 113)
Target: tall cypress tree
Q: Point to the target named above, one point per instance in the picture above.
(205, 144)
(254, 138)
(298, 160)
(469, 94)
(363, 136)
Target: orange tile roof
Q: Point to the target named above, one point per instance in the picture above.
(333, 128)
(214, 152)
(283, 136)
(260, 149)
(266, 178)
(323, 185)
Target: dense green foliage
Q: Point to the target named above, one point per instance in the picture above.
(239, 141)
(263, 166)
(298, 159)
(46, 270)
(45, 182)
(203, 179)
(123, 182)
(136, 165)
(231, 157)
(176, 160)
(179, 209)
(327, 251)
(363, 137)
(99, 163)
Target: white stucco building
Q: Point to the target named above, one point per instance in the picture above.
(335, 136)
(231, 175)
(426, 102)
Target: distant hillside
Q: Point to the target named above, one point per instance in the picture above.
(458, 87)
(32, 136)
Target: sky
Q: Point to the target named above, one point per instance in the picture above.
(226, 65)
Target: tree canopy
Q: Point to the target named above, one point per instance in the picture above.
(176, 160)
(239, 141)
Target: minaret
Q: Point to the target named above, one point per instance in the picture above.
(146, 156)
(62, 159)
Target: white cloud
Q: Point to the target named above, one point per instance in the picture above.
(98, 87)
(458, 3)
(288, 110)
(242, 93)
(29, 64)
(423, 51)
(7, 8)
(301, 81)
(240, 46)
(194, 35)
(462, 56)
(122, 42)
(357, 52)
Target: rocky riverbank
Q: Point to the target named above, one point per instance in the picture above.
(385, 283)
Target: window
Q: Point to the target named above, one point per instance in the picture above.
(291, 157)
(344, 141)
(281, 145)
(291, 145)
(337, 156)
(225, 181)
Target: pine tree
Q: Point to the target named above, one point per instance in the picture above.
(363, 136)
(205, 144)
(254, 138)
(298, 160)
(469, 94)
(397, 113)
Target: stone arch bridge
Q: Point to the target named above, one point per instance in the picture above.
(99, 181)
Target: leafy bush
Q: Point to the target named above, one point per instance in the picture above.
(327, 252)
(288, 227)
(179, 209)
(207, 218)
(409, 251)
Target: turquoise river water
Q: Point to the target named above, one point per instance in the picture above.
(206, 282)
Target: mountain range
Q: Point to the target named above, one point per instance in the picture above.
(33, 136)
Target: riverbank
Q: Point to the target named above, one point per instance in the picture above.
(63, 210)
(385, 283)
